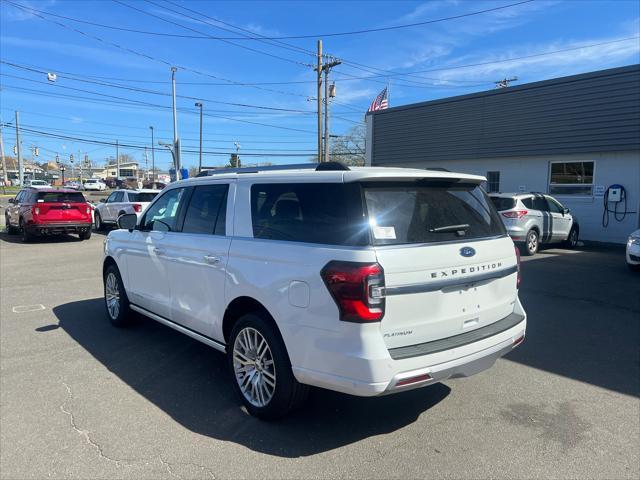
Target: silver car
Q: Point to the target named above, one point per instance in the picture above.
(534, 218)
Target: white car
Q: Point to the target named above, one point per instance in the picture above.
(366, 281)
(633, 250)
(95, 184)
(119, 203)
(36, 184)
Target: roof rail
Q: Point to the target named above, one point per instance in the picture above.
(438, 169)
(319, 167)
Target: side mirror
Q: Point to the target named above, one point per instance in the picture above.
(103, 200)
(12, 200)
(565, 211)
(128, 221)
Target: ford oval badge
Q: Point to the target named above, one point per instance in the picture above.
(467, 252)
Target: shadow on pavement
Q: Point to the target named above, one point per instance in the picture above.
(189, 381)
(583, 310)
(17, 238)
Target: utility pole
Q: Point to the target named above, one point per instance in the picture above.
(328, 66)
(153, 158)
(146, 162)
(5, 175)
(19, 151)
(199, 104)
(176, 140)
(319, 98)
(117, 161)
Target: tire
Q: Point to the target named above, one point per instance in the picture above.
(10, 230)
(86, 235)
(116, 301)
(531, 243)
(97, 221)
(276, 391)
(572, 239)
(27, 236)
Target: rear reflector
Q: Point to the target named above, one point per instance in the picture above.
(418, 378)
(518, 341)
(515, 214)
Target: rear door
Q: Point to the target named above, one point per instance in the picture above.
(541, 207)
(449, 266)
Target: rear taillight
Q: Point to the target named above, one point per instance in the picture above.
(36, 210)
(357, 290)
(518, 263)
(88, 210)
(137, 207)
(515, 213)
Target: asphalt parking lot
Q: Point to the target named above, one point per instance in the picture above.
(80, 399)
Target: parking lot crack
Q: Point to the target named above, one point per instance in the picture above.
(170, 468)
(81, 432)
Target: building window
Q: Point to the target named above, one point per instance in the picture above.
(571, 178)
(493, 182)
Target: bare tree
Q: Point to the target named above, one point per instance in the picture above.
(349, 148)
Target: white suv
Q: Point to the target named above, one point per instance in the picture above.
(367, 281)
(119, 203)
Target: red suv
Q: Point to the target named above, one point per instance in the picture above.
(45, 211)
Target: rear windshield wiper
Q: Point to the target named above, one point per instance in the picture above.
(450, 228)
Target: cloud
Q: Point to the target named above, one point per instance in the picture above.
(13, 14)
(545, 66)
(97, 55)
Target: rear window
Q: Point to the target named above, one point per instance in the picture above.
(326, 213)
(141, 196)
(503, 203)
(426, 212)
(61, 197)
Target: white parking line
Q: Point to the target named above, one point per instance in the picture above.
(27, 308)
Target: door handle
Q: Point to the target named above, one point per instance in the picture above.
(212, 259)
(158, 251)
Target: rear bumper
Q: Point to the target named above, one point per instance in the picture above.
(517, 234)
(51, 228)
(371, 371)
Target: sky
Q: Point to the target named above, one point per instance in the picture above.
(257, 88)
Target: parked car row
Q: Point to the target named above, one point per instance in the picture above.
(38, 211)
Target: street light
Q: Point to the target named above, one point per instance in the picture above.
(199, 105)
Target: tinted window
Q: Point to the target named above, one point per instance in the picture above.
(503, 203)
(527, 202)
(162, 216)
(61, 197)
(112, 197)
(141, 196)
(117, 197)
(326, 213)
(421, 212)
(205, 210)
(539, 203)
(554, 206)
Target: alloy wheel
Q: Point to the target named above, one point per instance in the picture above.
(112, 295)
(253, 367)
(532, 242)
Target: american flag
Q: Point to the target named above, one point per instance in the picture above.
(381, 101)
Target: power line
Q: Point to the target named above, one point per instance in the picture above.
(141, 54)
(209, 36)
(281, 37)
(153, 92)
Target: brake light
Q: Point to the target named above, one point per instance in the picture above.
(137, 207)
(88, 209)
(519, 278)
(36, 210)
(515, 214)
(356, 289)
